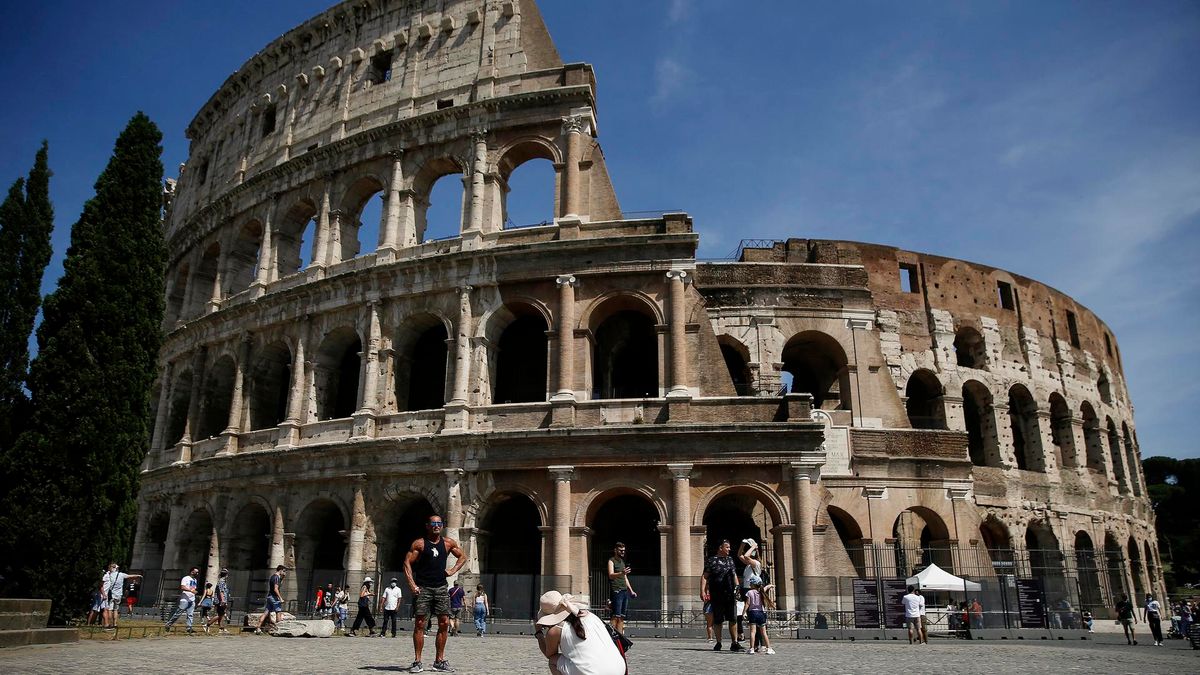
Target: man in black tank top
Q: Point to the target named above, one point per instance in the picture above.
(425, 567)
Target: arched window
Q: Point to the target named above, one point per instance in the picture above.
(1026, 437)
(736, 358)
(421, 353)
(969, 350)
(1118, 460)
(1104, 388)
(982, 441)
(337, 373)
(1133, 464)
(218, 396)
(243, 258)
(998, 543)
(320, 546)
(1135, 568)
(850, 534)
(293, 239)
(818, 366)
(921, 538)
(441, 205)
(181, 398)
(1062, 431)
(1091, 438)
(359, 222)
(1045, 556)
(203, 290)
(521, 358)
(177, 295)
(625, 356)
(269, 383)
(1087, 565)
(923, 401)
(528, 185)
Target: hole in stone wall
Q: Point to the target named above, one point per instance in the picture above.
(908, 278)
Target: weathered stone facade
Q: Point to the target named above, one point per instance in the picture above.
(550, 389)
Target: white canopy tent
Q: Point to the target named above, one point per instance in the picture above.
(934, 578)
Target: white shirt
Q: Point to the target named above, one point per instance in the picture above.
(597, 655)
(752, 574)
(1153, 608)
(188, 582)
(114, 585)
(391, 598)
(914, 606)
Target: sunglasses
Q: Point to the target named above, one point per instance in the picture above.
(436, 523)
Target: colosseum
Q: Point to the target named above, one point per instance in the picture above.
(330, 379)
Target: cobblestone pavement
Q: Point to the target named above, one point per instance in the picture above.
(517, 654)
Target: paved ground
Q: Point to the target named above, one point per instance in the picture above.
(519, 654)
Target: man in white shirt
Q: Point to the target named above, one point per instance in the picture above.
(914, 607)
(111, 590)
(389, 600)
(187, 599)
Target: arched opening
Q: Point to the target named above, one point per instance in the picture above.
(521, 358)
(1114, 452)
(248, 557)
(1104, 388)
(969, 349)
(736, 516)
(1045, 556)
(1132, 455)
(1090, 597)
(625, 355)
(510, 554)
(181, 402)
(195, 542)
(177, 294)
(529, 180)
(1135, 570)
(293, 239)
(243, 258)
(982, 442)
(1026, 437)
(362, 211)
(1151, 567)
(737, 359)
(1062, 432)
(402, 522)
(632, 520)
(1091, 438)
(269, 384)
(203, 282)
(320, 547)
(440, 213)
(923, 401)
(218, 396)
(818, 366)
(336, 373)
(920, 538)
(998, 543)
(421, 363)
(153, 551)
(1114, 560)
(851, 536)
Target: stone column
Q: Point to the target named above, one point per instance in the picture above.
(320, 251)
(214, 557)
(389, 233)
(333, 251)
(358, 533)
(193, 414)
(364, 417)
(561, 536)
(214, 297)
(678, 330)
(462, 347)
(682, 589)
(237, 400)
(574, 128)
(267, 269)
(803, 475)
(1045, 439)
(166, 393)
(566, 335)
(171, 547)
(289, 429)
(478, 171)
(278, 552)
(453, 517)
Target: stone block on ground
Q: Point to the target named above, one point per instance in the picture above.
(295, 628)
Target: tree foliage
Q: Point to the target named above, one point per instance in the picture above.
(1173, 485)
(26, 221)
(71, 480)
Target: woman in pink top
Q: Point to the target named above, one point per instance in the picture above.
(756, 613)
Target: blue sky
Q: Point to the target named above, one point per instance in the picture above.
(1057, 140)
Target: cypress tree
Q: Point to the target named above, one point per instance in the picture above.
(26, 220)
(72, 475)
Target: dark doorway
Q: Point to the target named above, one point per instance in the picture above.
(632, 520)
(426, 385)
(521, 361)
(626, 357)
(511, 555)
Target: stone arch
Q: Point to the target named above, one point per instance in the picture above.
(923, 400)
(336, 373)
(983, 442)
(1092, 438)
(1114, 559)
(193, 546)
(1062, 431)
(996, 539)
(758, 490)
(633, 518)
(969, 348)
(431, 173)
(177, 294)
(518, 352)
(248, 539)
(817, 365)
(293, 236)
(1135, 568)
(625, 350)
(242, 265)
(1115, 455)
(422, 362)
(217, 397)
(1045, 553)
(154, 547)
(1026, 433)
(1104, 388)
(604, 306)
(737, 360)
(320, 544)
(353, 205)
(508, 533)
(920, 538)
(850, 533)
(1087, 569)
(399, 521)
(203, 281)
(181, 400)
(1132, 460)
(270, 380)
(519, 153)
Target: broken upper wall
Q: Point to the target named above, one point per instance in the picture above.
(359, 65)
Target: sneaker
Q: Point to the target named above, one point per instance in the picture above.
(258, 631)
(735, 647)
(416, 667)
(442, 666)
(1135, 643)
(710, 641)
(717, 647)
(770, 651)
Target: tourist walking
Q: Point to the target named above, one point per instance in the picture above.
(717, 585)
(327, 602)
(924, 619)
(425, 569)
(1152, 613)
(340, 599)
(274, 604)
(131, 597)
(457, 596)
(1185, 618)
(1127, 618)
(914, 607)
(482, 609)
(976, 614)
(621, 589)
(574, 640)
(757, 603)
(364, 610)
(205, 604)
(187, 600)
(111, 589)
(389, 602)
(220, 603)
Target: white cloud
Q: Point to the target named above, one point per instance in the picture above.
(679, 10)
(671, 78)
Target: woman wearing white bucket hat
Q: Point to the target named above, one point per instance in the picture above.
(575, 640)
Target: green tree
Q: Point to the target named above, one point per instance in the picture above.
(1173, 485)
(71, 480)
(26, 220)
